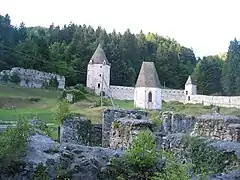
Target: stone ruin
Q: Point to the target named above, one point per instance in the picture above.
(34, 78)
(85, 148)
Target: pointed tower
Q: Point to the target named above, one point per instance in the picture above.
(190, 88)
(98, 71)
(147, 92)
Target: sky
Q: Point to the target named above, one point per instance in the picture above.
(206, 26)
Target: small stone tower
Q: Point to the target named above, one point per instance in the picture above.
(98, 71)
(147, 93)
(190, 88)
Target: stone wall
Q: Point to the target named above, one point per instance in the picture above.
(122, 92)
(34, 78)
(79, 130)
(226, 128)
(124, 130)
(110, 115)
(177, 123)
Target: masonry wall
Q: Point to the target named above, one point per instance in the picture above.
(222, 101)
(122, 92)
(173, 95)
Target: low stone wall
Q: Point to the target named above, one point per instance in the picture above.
(176, 123)
(110, 115)
(124, 131)
(219, 127)
(79, 130)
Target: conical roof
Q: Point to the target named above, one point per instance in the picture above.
(148, 76)
(189, 81)
(99, 56)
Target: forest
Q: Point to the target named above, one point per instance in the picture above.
(67, 50)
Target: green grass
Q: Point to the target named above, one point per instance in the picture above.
(45, 108)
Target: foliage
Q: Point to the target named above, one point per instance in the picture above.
(62, 111)
(67, 51)
(208, 75)
(105, 102)
(205, 158)
(78, 95)
(143, 161)
(14, 78)
(155, 116)
(53, 83)
(13, 146)
(41, 173)
(5, 78)
(172, 169)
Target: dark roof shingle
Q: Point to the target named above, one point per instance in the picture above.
(148, 76)
(99, 56)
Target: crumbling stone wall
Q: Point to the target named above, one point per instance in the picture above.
(219, 127)
(110, 115)
(124, 130)
(79, 130)
(33, 78)
(177, 123)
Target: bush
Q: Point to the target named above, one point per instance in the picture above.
(14, 78)
(105, 102)
(206, 159)
(62, 111)
(77, 95)
(143, 161)
(53, 83)
(13, 147)
(5, 78)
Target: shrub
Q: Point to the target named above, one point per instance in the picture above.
(53, 83)
(62, 111)
(13, 147)
(5, 78)
(105, 102)
(14, 78)
(206, 159)
(77, 95)
(143, 161)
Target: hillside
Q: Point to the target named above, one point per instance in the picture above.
(18, 102)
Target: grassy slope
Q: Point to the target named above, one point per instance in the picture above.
(46, 107)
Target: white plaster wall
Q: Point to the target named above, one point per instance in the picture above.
(222, 101)
(94, 77)
(122, 92)
(173, 95)
(190, 90)
(141, 98)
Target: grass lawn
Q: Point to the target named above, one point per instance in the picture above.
(45, 108)
(24, 99)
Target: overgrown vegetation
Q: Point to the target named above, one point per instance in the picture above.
(13, 147)
(143, 161)
(62, 111)
(205, 158)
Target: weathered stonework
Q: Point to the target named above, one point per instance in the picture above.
(177, 123)
(110, 115)
(34, 78)
(124, 130)
(226, 128)
(79, 130)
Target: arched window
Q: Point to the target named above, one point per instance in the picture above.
(150, 96)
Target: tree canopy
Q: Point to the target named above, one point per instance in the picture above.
(67, 51)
